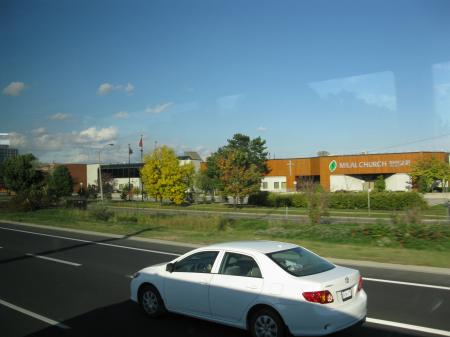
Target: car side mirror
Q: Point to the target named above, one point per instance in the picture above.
(170, 267)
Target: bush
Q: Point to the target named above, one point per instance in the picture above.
(100, 213)
(126, 218)
(378, 200)
(259, 199)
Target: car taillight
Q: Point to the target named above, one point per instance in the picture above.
(360, 283)
(322, 297)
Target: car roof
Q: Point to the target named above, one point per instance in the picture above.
(260, 246)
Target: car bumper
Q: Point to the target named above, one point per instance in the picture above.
(319, 320)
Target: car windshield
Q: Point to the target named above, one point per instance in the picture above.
(300, 262)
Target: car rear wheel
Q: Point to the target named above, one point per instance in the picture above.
(266, 323)
(151, 301)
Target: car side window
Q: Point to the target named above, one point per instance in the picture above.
(201, 262)
(239, 265)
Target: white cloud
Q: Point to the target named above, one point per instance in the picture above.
(91, 135)
(156, 109)
(106, 88)
(79, 158)
(60, 116)
(262, 129)
(17, 139)
(14, 89)
(39, 131)
(51, 142)
(229, 102)
(121, 115)
(373, 89)
(129, 88)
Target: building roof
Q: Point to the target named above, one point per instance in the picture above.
(192, 155)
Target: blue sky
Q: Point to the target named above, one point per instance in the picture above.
(341, 76)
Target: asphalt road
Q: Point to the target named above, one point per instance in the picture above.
(56, 283)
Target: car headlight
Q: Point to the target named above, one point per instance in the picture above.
(135, 275)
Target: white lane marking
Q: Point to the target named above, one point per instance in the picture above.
(34, 315)
(91, 242)
(408, 326)
(55, 260)
(406, 283)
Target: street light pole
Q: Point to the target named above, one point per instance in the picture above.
(100, 170)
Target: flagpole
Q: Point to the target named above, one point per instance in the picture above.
(141, 143)
(129, 178)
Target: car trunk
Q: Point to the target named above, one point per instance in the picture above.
(341, 282)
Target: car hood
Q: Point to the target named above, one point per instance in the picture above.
(155, 268)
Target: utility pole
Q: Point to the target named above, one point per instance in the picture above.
(141, 145)
(100, 171)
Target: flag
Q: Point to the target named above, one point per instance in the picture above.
(130, 151)
(141, 143)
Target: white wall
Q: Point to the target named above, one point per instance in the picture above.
(196, 163)
(117, 182)
(339, 182)
(398, 182)
(271, 184)
(92, 174)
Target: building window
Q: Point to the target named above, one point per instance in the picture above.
(276, 185)
(283, 185)
(264, 185)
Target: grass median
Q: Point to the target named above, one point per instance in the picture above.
(414, 244)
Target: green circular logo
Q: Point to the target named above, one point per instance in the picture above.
(332, 166)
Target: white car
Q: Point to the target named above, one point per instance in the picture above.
(263, 286)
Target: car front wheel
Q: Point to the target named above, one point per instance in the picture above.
(266, 323)
(151, 301)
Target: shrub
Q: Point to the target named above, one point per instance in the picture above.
(259, 199)
(100, 213)
(378, 200)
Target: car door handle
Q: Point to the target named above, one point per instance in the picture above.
(252, 286)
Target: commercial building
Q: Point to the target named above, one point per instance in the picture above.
(5, 150)
(118, 174)
(345, 172)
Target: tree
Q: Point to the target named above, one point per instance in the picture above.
(248, 156)
(427, 172)
(380, 184)
(164, 178)
(59, 183)
(238, 180)
(21, 176)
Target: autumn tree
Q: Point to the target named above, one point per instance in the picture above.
(247, 155)
(164, 178)
(426, 172)
(237, 180)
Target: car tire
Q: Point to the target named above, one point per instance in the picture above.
(266, 323)
(151, 302)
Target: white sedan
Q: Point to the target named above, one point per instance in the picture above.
(263, 286)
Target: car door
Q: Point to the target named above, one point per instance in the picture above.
(235, 287)
(186, 288)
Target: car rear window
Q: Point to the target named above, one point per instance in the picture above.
(300, 262)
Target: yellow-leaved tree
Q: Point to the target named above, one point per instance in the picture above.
(163, 176)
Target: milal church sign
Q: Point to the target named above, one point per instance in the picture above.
(368, 164)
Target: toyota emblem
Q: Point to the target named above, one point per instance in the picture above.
(347, 280)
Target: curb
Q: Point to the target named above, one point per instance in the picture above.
(356, 263)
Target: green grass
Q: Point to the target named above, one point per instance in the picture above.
(435, 212)
(427, 245)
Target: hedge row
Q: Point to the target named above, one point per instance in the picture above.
(344, 200)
